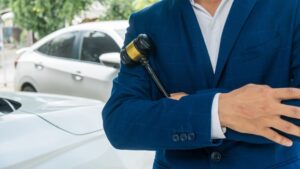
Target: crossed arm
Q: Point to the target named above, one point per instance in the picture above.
(133, 121)
(255, 109)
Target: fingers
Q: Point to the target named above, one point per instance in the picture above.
(288, 111)
(285, 126)
(177, 96)
(179, 93)
(286, 93)
(275, 137)
(262, 128)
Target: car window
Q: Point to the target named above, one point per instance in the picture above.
(44, 48)
(8, 106)
(96, 43)
(61, 46)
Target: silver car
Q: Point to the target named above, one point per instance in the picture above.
(80, 61)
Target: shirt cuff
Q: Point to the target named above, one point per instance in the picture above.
(217, 132)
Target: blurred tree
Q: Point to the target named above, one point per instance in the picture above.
(121, 9)
(140, 4)
(4, 4)
(117, 9)
(46, 16)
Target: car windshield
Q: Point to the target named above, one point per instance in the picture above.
(122, 33)
(8, 106)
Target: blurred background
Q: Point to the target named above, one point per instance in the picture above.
(24, 22)
(51, 50)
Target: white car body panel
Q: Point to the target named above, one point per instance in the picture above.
(49, 74)
(51, 131)
(96, 82)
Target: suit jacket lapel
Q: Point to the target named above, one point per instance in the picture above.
(238, 15)
(196, 40)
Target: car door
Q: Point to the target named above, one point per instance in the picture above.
(57, 68)
(97, 78)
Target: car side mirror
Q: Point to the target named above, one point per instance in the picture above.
(110, 59)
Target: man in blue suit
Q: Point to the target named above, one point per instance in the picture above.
(233, 67)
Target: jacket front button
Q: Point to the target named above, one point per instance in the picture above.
(216, 156)
(175, 138)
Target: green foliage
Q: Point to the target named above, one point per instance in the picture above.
(140, 4)
(117, 9)
(121, 9)
(4, 4)
(46, 16)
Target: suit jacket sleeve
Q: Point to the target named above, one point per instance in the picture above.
(133, 120)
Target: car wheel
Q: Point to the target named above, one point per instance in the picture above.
(28, 88)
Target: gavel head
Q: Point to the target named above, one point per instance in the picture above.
(138, 48)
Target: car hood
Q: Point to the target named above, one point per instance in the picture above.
(74, 115)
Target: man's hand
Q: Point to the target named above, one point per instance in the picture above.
(177, 96)
(255, 109)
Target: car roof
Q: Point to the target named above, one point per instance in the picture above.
(103, 26)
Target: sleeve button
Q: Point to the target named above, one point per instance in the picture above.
(183, 137)
(175, 137)
(191, 136)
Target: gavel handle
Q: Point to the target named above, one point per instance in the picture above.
(145, 63)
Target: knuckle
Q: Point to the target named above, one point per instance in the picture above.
(290, 91)
(277, 119)
(275, 137)
(253, 86)
(268, 122)
(268, 91)
(268, 107)
(262, 120)
(265, 87)
(273, 120)
(273, 92)
(278, 138)
(249, 86)
(288, 127)
(295, 111)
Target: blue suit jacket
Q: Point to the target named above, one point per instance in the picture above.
(260, 44)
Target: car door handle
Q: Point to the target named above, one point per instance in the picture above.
(39, 66)
(77, 76)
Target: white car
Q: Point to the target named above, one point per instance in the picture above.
(80, 60)
(39, 131)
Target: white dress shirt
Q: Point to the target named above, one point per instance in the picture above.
(212, 29)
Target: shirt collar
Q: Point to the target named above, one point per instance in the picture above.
(202, 9)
